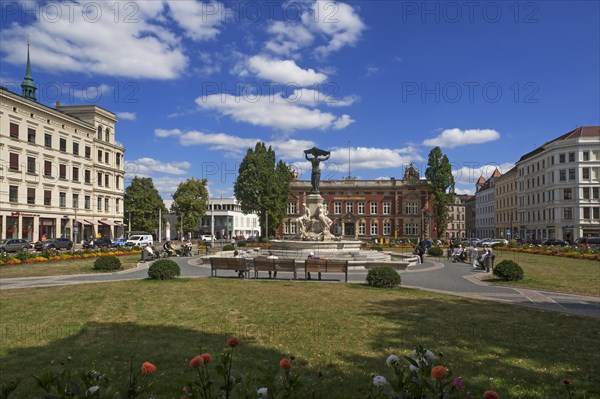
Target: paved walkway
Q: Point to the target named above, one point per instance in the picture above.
(434, 275)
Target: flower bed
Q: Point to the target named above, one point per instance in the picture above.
(565, 252)
(54, 256)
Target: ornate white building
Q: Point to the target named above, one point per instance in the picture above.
(229, 220)
(61, 169)
(558, 186)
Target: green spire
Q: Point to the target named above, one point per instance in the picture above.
(28, 86)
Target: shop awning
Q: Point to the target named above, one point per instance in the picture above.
(106, 222)
(85, 222)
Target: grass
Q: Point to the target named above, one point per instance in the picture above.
(65, 267)
(343, 331)
(553, 273)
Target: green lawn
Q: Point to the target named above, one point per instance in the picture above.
(343, 331)
(553, 273)
(65, 267)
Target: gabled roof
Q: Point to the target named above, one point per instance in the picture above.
(481, 180)
(496, 173)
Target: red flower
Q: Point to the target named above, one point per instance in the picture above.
(206, 357)
(566, 381)
(148, 368)
(491, 395)
(285, 364)
(233, 342)
(439, 372)
(197, 362)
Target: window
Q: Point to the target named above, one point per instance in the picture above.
(86, 202)
(562, 175)
(47, 197)
(99, 155)
(75, 148)
(568, 213)
(386, 209)
(387, 230)
(31, 195)
(596, 212)
(76, 201)
(411, 208)
(106, 182)
(75, 173)
(107, 134)
(586, 193)
(99, 204)
(14, 131)
(374, 227)
(47, 168)
(88, 151)
(361, 208)
(13, 161)
(361, 228)
(87, 177)
(291, 206)
(106, 204)
(118, 184)
(349, 207)
(31, 135)
(586, 212)
(410, 229)
(100, 179)
(586, 156)
(99, 132)
(118, 159)
(373, 208)
(13, 194)
(48, 140)
(595, 192)
(561, 158)
(106, 157)
(62, 171)
(571, 157)
(337, 208)
(62, 200)
(31, 165)
(118, 209)
(585, 173)
(63, 145)
(571, 174)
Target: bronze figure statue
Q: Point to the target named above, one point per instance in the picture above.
(318, 155)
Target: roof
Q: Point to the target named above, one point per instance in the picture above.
(481, 180)
(582, 131)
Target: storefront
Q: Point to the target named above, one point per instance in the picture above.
(47, 229)
(104, 228)
(88, 230)
(27, 232)
(12, 227)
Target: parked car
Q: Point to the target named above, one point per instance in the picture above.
(118, 243)
(590, 242)
(556, 243)
(139, 240)
(55, 243)
(206, 237)
(14, 245)
(102, 242)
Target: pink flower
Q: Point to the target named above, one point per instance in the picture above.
(233, 342)
(148, 368)
(459, 383)
(491, 395)
(196, 362)
(285, 364)
(206, 357)
(439, 373)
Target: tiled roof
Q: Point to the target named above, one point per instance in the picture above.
(582, 131)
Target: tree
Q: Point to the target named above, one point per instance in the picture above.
(263, 186)
(439, 174)
(189, 203)
(143, 203)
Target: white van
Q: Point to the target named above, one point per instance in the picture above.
(139, 240)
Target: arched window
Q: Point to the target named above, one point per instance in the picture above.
(99, 132)
(107, 134)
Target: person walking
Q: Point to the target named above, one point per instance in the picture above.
(474, 256)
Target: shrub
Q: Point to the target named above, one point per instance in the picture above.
(376, 248)
(435, 251)
(509, 271)
(107, 263)
(164, 269)
(241, 243)
(498, 245)
(263, 240)
(383, 277)
(228, 247)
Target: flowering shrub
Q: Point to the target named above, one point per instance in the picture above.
(575, 252)
(54, 255)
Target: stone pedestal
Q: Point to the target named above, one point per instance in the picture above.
(315, 226)
(313, 201)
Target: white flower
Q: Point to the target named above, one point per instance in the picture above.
(413, 368)
(392, 360)
(429, 355)
(379, 380)
(262, 393)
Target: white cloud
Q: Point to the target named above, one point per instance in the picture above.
(167, 133)
(461, 191)
(271, 111)
(372, 69)
(469, 172)
(146, 166)
(312, 98)
(91, 38)
(128, 116)
(375, 158)
(451, 138)
(284, 71)
(288, 38)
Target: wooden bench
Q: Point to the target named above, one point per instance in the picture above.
(274, 265)
(325, 266)
(228, 264)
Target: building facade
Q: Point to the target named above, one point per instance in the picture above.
(470, 217)
(229, 220)
(507, 226)
(457, 214)
(61, 169)
(558, 186)
(366, 209)
(485, 206)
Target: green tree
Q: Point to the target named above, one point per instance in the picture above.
(439, 174)
(143, 202)
(189, 203)
(263, 186)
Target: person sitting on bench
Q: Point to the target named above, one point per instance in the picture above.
(312, 256)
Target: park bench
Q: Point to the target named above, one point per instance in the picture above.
(325, 266)
(228, 264)
(274, 265)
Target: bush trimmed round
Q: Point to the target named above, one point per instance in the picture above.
(435, 251)
(383, 277)
(376, 248)
(107, 263)
(164, 269)
(509, 271)
(228, 247)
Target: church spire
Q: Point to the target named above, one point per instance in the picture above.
(28, 86)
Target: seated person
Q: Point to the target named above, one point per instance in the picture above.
(312, 256)
(236, 254)
(271, 256)
(458, 254)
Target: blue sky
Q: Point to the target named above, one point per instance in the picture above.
(195, 84)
